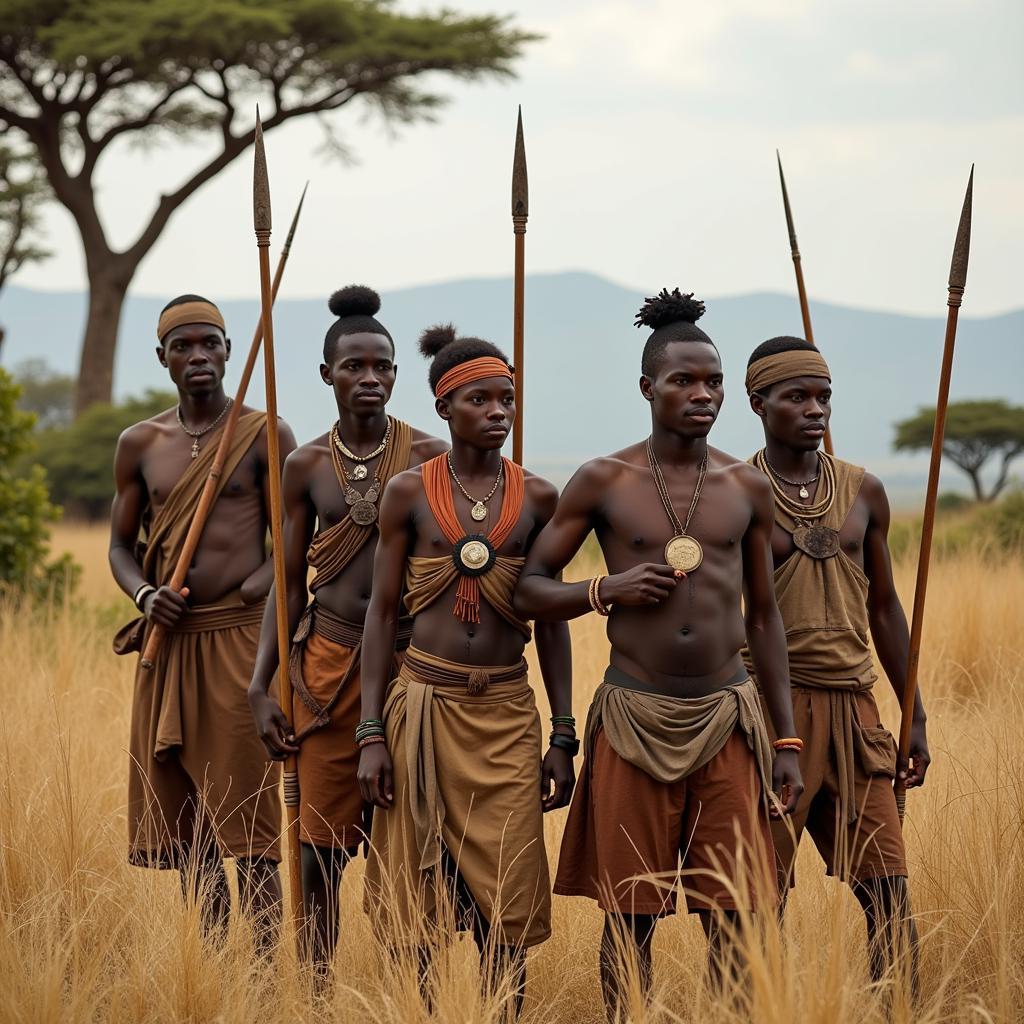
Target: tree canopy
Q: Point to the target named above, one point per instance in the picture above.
(77, 76)
(976, 431)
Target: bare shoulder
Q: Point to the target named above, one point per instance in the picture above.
(541, 493)
(136, 438)
(606, 470)
(405, 486)
(872, 490)
(307, 456)
(749, 477)
(426, 447)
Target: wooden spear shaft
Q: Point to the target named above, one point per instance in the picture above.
(520, 214)
(262, 225)
(957, 283)
(209, 492)
(801, 288)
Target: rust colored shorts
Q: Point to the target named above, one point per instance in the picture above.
(870, 847)
(625, 827)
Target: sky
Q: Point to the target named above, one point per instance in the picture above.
(651, 129)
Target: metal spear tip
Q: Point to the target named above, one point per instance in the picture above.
(962, 246)
(785, 203)
(520, 186)
(295, 218)
(260, 183)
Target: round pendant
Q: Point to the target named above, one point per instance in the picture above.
(817, 541)
(359, 473)
(479, 511)
(363, 512)
(473, 555)
(804, 493)
(684, 553)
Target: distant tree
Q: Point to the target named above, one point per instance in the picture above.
(25, 511)
(78, 75)
(23, 190)
(78, 458)
(976, 431)
(45, 393)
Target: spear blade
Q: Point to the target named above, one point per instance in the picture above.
(286, 248)
(520, 182)
(962, 246)
(794, 249)
(261, 218)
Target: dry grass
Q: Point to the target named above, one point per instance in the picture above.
(84, 937)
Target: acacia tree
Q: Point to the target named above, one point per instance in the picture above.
(77, 76)
(975, 432)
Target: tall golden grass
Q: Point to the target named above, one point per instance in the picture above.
(84, 937)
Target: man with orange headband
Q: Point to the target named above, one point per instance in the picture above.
(452, 758)
(678, 763)
(199, 785)
(833, 581)
(334, 483)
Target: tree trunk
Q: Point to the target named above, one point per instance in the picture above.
(975, 475)
(96, 367)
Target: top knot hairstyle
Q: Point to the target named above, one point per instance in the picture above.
(355, 307)
(672, 316)
(442, 346)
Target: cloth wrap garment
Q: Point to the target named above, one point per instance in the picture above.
(849, 758)
(465, 744)
(324, 663)
(198, 773)
(662, 777)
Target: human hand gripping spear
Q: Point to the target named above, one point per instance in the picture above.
(957, 283)
(262, 224)
(209, 492)
(805, 309)
(520, 213)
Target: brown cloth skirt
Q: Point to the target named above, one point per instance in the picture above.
(198, 773)
(871, 844)
(629, 839)
(467, 800)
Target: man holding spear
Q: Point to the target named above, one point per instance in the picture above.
(833, 581)
(330, 492)
(199, 789)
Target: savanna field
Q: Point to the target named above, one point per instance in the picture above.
(83, 937)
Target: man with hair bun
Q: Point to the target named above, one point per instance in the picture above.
(833, 582)
(330, 492)
(678, 765)
(452, 758)
(198, 785)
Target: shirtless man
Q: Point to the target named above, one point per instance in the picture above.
(833, 582)
(330, 492)
(677, 756)
(451, 752)
(199, 787)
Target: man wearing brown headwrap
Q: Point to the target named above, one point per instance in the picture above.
(331, 490)
(200, 788)
(678, 770)
(833, 581)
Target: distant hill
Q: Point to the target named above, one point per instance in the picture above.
(582, 360)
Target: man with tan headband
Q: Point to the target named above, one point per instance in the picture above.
(833, 582)
(199, 787)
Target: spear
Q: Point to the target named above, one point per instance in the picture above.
(520, 213)
(262, 225)
(209, 492)
(957, 283)
(805, 309)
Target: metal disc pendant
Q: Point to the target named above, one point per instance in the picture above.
(358, 473)
(684, 553)
(364, 512)
(473, 555)
(819, 542)
(804, 493)
(479, 511)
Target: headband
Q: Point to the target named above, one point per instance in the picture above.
(188, 313)
(784, 366)
(471, 370)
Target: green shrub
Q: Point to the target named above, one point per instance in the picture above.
(26, 511)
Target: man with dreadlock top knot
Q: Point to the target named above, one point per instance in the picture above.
(452, 759)
(833, 581)
(330, 495)
(199, 788)
(678, 763)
